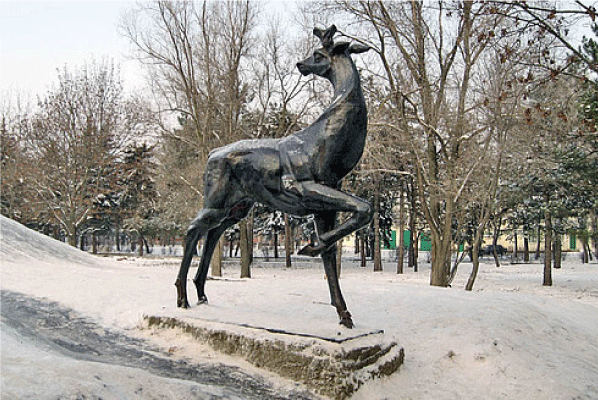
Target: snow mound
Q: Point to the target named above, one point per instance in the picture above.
(18, 243)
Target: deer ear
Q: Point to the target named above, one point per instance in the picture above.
(331, 31)
(357, 48)
(319, 33)
(340, 48)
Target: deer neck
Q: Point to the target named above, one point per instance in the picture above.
(346, 83)
(343, 125)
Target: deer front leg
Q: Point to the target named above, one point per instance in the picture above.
(327, 222)
(324, 200)
(336, 297)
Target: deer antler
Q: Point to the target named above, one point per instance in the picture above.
(326, 36)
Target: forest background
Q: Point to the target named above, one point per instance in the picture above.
(482, 118)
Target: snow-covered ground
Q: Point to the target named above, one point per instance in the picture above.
(509, 338)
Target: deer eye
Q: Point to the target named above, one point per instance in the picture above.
(318, 57)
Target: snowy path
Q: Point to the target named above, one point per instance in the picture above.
(50, 352)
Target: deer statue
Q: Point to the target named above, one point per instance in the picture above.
(299, 174)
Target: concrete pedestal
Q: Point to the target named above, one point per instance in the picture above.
(334, 364)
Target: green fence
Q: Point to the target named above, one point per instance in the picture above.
(424, 242)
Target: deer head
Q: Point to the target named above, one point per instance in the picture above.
(321, 61)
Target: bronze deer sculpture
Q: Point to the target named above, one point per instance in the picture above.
(299, 174)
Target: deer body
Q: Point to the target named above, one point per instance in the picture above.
(299, 174)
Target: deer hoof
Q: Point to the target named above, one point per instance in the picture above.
(182, 303)
(312, 251)
(181, 295)
(346, 319)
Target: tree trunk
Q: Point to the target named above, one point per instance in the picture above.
(362, 245)
(594, 236)
(595, 230)
(217, 259)
(547, 281)
(339, 257)
(537, 256)
(94, 243)
(140, 244)
(245, 255)
(558, 247)
(441, 250)
(585, 256)
(117, 239)
(411, 250)
(440, 263)
(399, 236)
(246, 243)
(515, 247)
(526, 249)
(377, 251)
(415, 252)
(250, 220)
(495, 235)
(475, 250)
(458, 260)
(475, 258)
(72, 236)
(412, 261)
(288, 233)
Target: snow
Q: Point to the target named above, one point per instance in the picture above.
(31, 372)
(509, 338)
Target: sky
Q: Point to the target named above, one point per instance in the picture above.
(39, 37)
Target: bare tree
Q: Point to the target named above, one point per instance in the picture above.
(196, 54)
(73, 143)
(282, 97)
(15, 194)
(557, 26)
(428, 55)
(504, 88)
(550, 117)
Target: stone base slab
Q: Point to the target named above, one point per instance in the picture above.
(335, 366)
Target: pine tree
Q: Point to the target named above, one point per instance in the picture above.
(139, 195)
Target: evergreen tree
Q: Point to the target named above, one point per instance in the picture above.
(139, 195)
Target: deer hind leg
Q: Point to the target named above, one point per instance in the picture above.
(326, 222)
(323, 200)
(210, 244)
(223, 200)
(212, 223)
(204, 222)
